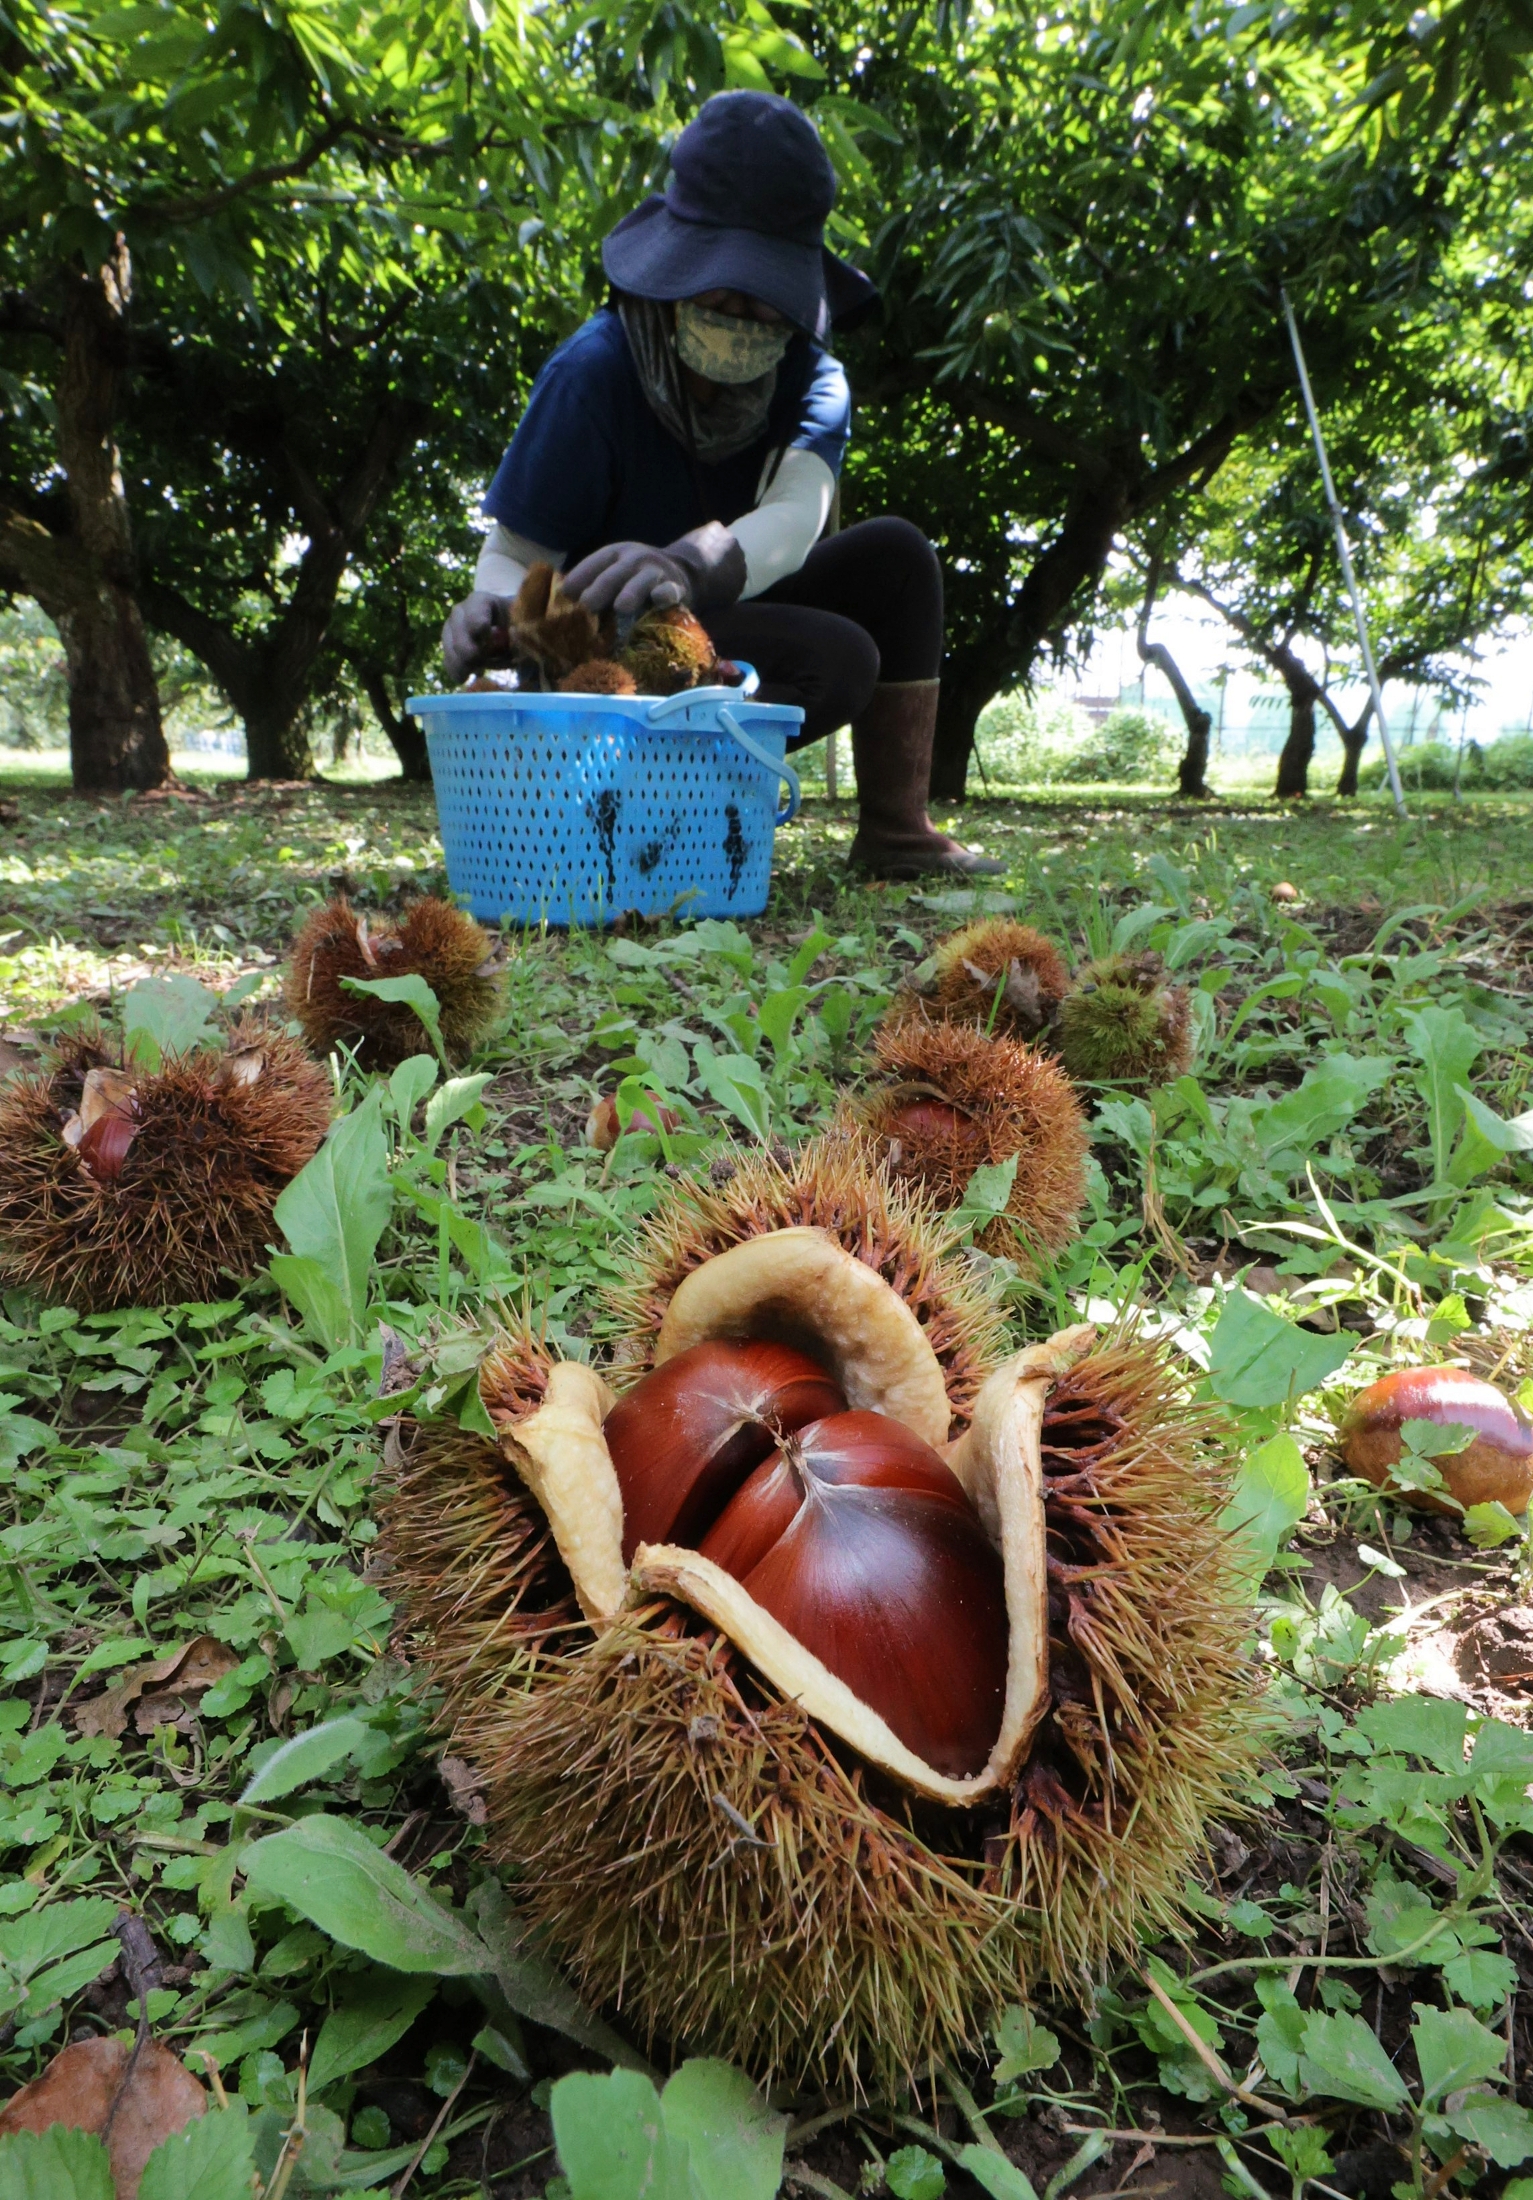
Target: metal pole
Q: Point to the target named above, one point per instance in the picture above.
(830, 765)
(1345, 553)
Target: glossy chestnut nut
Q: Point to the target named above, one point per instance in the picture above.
(860, 1540)
(684, 1439)
(603, 1129)
(105, 1124)
(925, 1121)
(1496, 1467)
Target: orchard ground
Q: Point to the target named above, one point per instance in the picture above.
(203, 1476)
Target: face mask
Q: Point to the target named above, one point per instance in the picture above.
(725, 348)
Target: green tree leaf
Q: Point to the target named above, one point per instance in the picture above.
(305, 1758)
(1342, 2057)
(59, 2164)
(378, 2010)
(330, 1873)
(1453, 2049)
(210, 2160)
(1257, 1359)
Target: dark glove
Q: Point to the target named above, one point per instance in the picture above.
(704, 570)
(629, 578)
(477, 632)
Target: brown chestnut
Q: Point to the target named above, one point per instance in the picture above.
(105, 1125)
(860, 1541)
(684, 1439)
(925, 1121)
(603, 1129)
(1496, 1467)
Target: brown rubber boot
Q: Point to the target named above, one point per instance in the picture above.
(892, 750)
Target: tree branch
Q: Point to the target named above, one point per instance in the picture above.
(212, 202)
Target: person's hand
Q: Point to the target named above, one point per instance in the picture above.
(629, 578)
(476, 630)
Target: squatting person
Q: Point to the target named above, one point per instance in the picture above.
(684, 447)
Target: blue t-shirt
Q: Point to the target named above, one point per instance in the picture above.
(590, 462)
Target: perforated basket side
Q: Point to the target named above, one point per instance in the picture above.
(569, 816)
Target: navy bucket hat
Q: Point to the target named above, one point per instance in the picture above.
(744, 209)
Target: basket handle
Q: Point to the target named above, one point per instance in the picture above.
(669, 705)
(783, 770)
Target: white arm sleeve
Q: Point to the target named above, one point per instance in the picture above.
(785, 525)
(504, 559)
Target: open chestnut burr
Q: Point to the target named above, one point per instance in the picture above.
(860, 1541)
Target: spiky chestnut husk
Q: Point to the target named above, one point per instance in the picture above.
(1122, 1024)
(857, 1937)
(825, 1185)
(192, 1200)
(667, 651)
(599, 677)
(433, 940)
(471, 1551)
(551, 633)
(1004, 1098)
(996, 954)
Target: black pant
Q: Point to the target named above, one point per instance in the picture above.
(865, 606)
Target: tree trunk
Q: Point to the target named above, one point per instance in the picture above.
(1354, 739)
(404, 732)
(1192, 772)
(972, 676)
(1293, 764)
(276, 735)
(270, 681)
(82, 575)
(1077, 555)
(116, 739)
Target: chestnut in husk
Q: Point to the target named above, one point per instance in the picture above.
(1495, 1467)
(684, 1439)
(861, 1541)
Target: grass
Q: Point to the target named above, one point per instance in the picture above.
(199, 1477)
(91, 890)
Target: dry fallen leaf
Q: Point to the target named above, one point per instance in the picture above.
(186, 1671)
(132, 2099)
(465, 1788)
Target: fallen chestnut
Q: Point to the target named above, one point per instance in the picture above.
(684, 1439)
(860, 1541)
(105, 1124)
(924, 1122)
(1496, 1467)
(603, 1130)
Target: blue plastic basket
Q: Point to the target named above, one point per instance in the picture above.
(564, 809)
